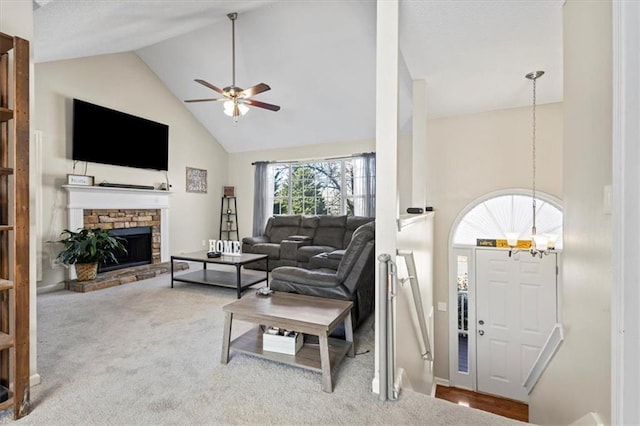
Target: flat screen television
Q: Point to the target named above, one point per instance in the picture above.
(103, 135)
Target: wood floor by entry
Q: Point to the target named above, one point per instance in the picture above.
(493, 404)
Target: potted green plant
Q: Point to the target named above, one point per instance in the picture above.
(87, 248)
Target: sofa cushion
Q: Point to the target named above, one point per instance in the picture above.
(284, 226)
(353, 223)
(317, 278)
(270, 249)
(306, 253)
(363, 235)
(330, 231)
(308, 226)
(286, 220)
(267, 228)
(289, 248)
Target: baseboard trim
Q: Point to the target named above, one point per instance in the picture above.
(34, 379)
(589, 419)
(440, 381)
(51, 288)
(375, 385)
(397, 385)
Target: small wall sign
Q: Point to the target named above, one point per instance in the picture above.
(196, 180)
(80, 180)
(229, 191)
(484, 242)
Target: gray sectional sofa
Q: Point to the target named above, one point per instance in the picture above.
(303, 241)
(353, 279)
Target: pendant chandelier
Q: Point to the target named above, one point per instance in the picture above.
(541, 244)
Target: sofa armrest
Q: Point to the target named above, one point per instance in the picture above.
(299, 238)
(256, 240)
(289, 248)
(336, 254)
(329, 260)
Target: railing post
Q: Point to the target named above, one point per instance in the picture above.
(383, 267)
(387, 292)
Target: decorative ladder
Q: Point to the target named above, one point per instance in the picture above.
(14, 224)
(229, 216)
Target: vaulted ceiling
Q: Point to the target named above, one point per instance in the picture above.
(318, 57)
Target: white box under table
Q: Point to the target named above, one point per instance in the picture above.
(284, 344)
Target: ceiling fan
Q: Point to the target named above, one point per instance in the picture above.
(236, 100)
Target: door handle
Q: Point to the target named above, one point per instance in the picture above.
(481, 332)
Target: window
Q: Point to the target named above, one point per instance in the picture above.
(331, 187)
(495, 216)
(463, 313)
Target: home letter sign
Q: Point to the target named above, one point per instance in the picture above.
(225, 247)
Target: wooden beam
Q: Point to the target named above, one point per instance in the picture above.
(21, 231)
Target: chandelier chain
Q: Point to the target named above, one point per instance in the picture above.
(540, 245)
(533, 157)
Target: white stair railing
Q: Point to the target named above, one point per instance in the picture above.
(417, 300)
(389, 386)
(544, 357)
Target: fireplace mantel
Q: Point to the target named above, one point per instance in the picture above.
(99, 197)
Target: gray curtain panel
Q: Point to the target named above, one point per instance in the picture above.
(261, 208)
(364, 191)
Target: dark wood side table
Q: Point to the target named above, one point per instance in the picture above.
(237, 280)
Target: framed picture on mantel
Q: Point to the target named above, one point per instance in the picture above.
(196, 180)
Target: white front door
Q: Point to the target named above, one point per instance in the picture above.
(515, 312)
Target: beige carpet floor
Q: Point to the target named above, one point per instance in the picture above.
(146, 354)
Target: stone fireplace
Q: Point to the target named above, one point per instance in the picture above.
(122, 209)
(140, 228)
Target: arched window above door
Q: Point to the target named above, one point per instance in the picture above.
(497, 215)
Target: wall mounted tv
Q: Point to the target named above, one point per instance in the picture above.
(107, 136)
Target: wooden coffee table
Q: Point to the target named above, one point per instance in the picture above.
(317, 316)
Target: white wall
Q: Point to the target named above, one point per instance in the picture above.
(16, 18)
(625, 316)
(241, 171)
(123, 82)
(417, 237)
(471, 155)
(578, 379)
(405, 173)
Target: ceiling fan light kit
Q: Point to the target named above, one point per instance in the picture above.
(236, 100)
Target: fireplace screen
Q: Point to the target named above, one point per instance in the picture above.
(138, 244)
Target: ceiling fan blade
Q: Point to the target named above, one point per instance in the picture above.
(209, 85)
(258, 88)
(264, 105)
(206, 100)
